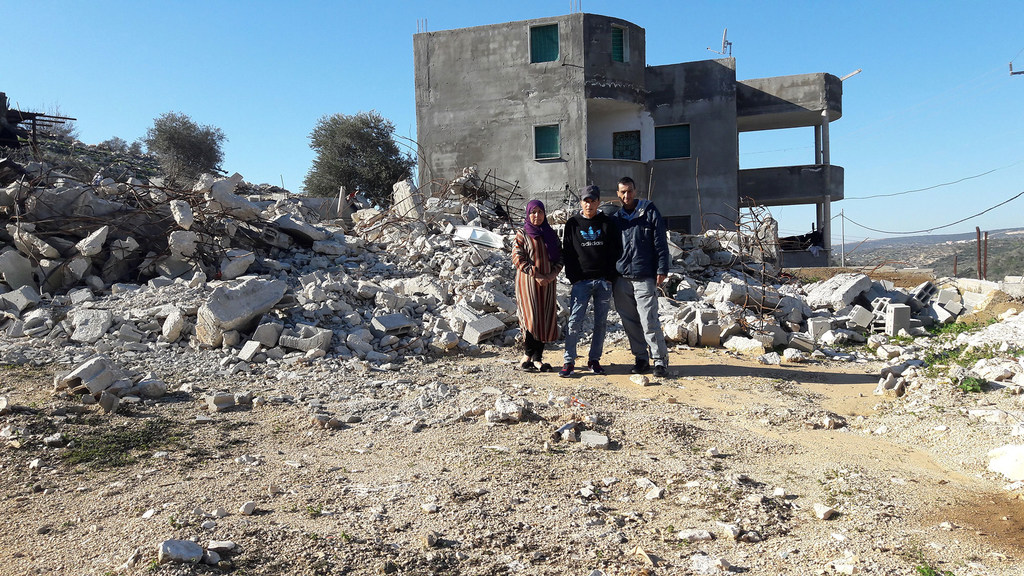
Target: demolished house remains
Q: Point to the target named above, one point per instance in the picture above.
(130, 267)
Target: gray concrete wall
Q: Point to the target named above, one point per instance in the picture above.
(787, 185)
(605, 78)
(703, 187)
(479, 97)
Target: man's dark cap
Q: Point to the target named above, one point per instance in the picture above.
(591, 191)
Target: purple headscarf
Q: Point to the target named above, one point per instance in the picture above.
(544, 231)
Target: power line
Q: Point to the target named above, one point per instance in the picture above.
(929, 230)
(935, 186)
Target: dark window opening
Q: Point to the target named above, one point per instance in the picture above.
(545, 142)
(672, 141)
(544, 43)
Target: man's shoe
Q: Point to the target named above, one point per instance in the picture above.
(641, 367)
(660, 371)
(596, 368)
(567, 370)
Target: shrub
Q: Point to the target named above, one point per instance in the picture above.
(357, 152)
(185, 149)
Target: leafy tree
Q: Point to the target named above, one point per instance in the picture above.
(185, 149)
(357, 152)
(115, 144)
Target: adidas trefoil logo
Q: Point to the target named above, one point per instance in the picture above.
(590, 234)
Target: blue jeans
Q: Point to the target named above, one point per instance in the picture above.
(636, 301)
(601, 291)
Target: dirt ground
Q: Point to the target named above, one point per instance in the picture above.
(442, 491)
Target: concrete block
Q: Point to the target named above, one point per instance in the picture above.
(479, 330)
(954, 307)
(941, 315)
(801, 342)
(818, 326)
(897, 317)
(766, 339)
(947, 295)
(395, 324)
(924, 292)
(859, 318)
(306, 338)
(709, 334)
(92, 376)
(233, 308)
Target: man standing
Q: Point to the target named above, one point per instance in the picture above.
(642, 268)
(590, 246)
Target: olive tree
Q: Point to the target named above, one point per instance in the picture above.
(357, 152)
(184, 149)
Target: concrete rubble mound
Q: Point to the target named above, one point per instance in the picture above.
(134, 267)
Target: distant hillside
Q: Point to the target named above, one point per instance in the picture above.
(939, 252)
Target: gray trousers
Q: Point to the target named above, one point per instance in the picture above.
(636, 301)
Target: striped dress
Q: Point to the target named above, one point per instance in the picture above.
(535, 304)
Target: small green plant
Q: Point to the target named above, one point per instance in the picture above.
(926, 569)
(118, 447)
(314, 510)
(345, 537)
(971, 384)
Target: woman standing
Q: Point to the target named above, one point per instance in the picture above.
(537, 257)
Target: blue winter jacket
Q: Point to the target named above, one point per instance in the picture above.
(644, 242)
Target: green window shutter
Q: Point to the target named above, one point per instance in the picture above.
(544, 43)
(545, 141)
(618, 45)
(672, 141)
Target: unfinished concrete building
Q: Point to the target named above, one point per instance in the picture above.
(568, 101)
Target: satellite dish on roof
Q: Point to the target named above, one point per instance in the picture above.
(726, 45)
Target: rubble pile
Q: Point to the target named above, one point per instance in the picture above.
(130, 267)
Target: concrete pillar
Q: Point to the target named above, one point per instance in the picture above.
(826, 228)
(817, 144)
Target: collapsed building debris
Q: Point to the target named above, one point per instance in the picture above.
(134, 266)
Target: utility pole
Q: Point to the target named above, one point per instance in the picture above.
(842, 247)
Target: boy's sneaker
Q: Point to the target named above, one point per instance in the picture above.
(641, 367)
(660, 371)
(595, 367)
(567, 370)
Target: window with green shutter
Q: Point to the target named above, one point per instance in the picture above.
(544, 43)
(545, 142)
(672, 141)
(620, 44)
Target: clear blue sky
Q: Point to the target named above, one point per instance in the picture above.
(935, 102)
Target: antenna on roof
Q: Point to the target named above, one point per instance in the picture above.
(575, 6)
(726, 45)
(1012, 73)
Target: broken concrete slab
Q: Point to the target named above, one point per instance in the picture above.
(90, 325)
(234, 308)
(837, 292)
(92, 244)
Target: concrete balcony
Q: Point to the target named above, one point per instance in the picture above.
(786, 185)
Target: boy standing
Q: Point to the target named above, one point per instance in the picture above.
(591, 244)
